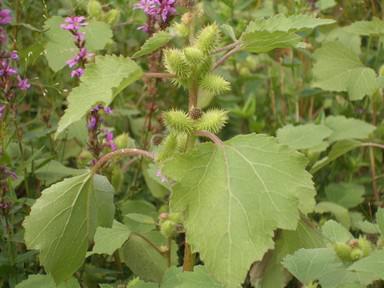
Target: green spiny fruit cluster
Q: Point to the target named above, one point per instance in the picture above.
(193, 65)
(353, 250)
(181, 125)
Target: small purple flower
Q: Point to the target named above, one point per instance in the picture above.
(77, 73)
(14, 55)
(108, 110)
(2, 110)
(92, 122)
(5, 16)
(74, 23)
(23, 84)
(6, 70)
(160, 9)
(110, 140)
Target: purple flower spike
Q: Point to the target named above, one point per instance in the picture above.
(92, 122)
(23, 84)
(74, 23)
(77, 73)
(5, 16)
(108, 110)
(110, 140)
(14, 55)
(2, 110)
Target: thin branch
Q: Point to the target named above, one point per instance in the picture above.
(209, 135)
(376, 145)
(153, 245)
(222, 60)
(122, 152)
(227, 47)
(159, 75)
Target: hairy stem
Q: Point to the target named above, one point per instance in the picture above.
(222, 60)
(210, 136)
(119, 153)
(159, 75)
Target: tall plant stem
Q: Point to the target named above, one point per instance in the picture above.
(189, 258)
(119, 153)
(372, 162)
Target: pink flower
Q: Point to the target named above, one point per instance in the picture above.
(74, 23)
(77, 73)
(23, 84)
(5, 16)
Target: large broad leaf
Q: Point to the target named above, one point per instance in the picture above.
(348, 128)
(348, 195)
(101, 82)
(154, 43)
(63, 221)
(303, 136)
(234, 196)
(270, 273)
(339, 69)
(339, 149)
(369, 268)
(46, 281)
(263, 35)
(143, 259)
(367, 28)
(60, 46)
(341, 214)
(108, 240)
(335, 232)
(199, 278)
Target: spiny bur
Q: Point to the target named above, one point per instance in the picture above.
(178, 121)
(167, 148)
(175, 63)
(194, 55)
(212, 121)
(214, 84)
(208, 39)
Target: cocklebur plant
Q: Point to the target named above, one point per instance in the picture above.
(228, 205)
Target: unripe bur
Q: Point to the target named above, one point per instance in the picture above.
(195, 113)
(365, 246)
(168, 147)
(208, 39)
(182, 139)
(94, 9)
(212, 121)
(343, 251)
(175, 63)
(356, 254)
(178, 121)
(168, 228)
(214, 84)
(117, 179)
(123, 141)
(84, 158)
(181, 29)
(194, 55)
(112, 16)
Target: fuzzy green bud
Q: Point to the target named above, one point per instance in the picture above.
(117, 179)
(214, 84)
(178, 121)
(84, 158)
(94, 9)
(212, 121)
(181, 29)
(208, 39)
(112, 17)
(175, 63)
(343, 251)
(168, 147)
(168, 228)
(356, 254)
(182, 139)
(194, 55)
(365, 246)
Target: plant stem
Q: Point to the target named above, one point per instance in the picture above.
(189, 259)
(159, 75)
(118, 153)
(375, 191)
(209, 135)
(222, 60)
(227, 47)
(193, 96)
(153, 245)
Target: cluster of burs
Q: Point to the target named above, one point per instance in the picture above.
(192, 68)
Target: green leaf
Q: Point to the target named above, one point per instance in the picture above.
(157, 41)
(101, 82)
(97, 35)
(155, 186)
(348, 128)
(265, 41)
(309, 265)
(108, 240)
(54, 171)
(236, 194)
(341, 214)
(140, 223)
(46, 281)
(305, 236)
(380, 220)
(60, 46)
(63, 221)
(143, 259)
(335, 232)
(339, 69)
(199, 278)
(367, 28)
(325, 4)
(369, 268)
(139, 207)
(263, 35)
(348, 195)
(339, 149)
(303, 136)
